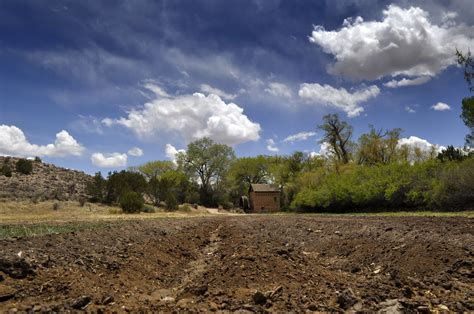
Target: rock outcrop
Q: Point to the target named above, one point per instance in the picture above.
(46, 182)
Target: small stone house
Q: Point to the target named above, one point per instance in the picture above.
(264, 198)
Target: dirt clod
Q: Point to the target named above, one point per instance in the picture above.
(16, 267)
(346, 299)
(259, 298)
(81, 302)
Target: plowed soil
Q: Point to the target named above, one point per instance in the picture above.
(246, 263)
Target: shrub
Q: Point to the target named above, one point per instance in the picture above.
(6, 170)
(454, 188)
(82, 201)
(24, 166)
(171, 202)
(55, 206)
(37, 159)
(378, 187)
(185, 208)
(228, 205)
(148, 209)
(131, 202)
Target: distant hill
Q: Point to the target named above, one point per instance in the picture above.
(45, 182)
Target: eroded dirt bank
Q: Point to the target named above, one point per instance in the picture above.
(249, 263)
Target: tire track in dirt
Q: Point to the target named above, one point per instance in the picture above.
(193, 282)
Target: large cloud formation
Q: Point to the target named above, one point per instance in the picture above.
(405, 42)
(14, 142)
(338, 98)
(193, 117)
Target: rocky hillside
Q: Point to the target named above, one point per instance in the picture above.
(45, 182)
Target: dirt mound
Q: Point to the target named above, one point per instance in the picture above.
(46, 182)
(249, 263)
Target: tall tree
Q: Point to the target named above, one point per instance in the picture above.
(338, 135)
(378, 146)
(153, 169)
(466, 61)
(208, 162)
(467, 114)
(245, 171)
(467, 117)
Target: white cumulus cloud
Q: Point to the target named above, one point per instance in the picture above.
(135, 151)
(171, 152)
(205, 88)
(14, 142)
(441, 106)
(301, 136)
(414, 143)
(113, 160)
(407, 82)
(338, 98)
(279, 90)
(404, 42)
(193, 117)
(271, 146)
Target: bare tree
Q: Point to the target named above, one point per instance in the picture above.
(338, 135)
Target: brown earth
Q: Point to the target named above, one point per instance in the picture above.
(246, 263)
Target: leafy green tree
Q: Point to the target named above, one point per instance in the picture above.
(378, 146)
(171, 186)
(338, 135)
(466, 61)
(207, 162)
(96, 188)
(467, 114)
(247, 170)
(124, 181)
(155, 168)
(467, 117)
(451, 154)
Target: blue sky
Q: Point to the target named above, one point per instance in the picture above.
(85, 83)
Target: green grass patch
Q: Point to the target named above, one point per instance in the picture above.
(31, 230)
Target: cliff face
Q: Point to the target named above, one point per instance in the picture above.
(45, 182)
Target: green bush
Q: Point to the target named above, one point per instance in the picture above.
(454, 188)
(171, 202)
(37, 159)
(148, 209)
(362, 188)
(6, 170)
(228, 205)
(185, 208)
(131, 202)
(24, 166)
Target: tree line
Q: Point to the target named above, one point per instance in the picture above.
(374, 172)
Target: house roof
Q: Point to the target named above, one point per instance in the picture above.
(263, 188)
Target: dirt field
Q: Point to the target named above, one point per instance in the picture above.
(246, 263)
